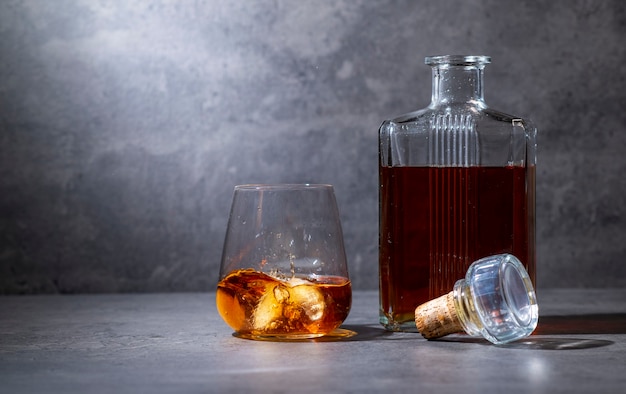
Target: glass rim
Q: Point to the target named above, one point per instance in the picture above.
(283, 186)
(457, 60)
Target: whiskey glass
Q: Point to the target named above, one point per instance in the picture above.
(283, 272)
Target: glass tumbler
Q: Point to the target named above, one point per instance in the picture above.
(283, 272)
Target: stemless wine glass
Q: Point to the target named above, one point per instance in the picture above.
(283, 272)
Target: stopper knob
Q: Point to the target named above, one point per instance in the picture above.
(496, 300)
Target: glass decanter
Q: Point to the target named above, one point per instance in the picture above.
(457, 182)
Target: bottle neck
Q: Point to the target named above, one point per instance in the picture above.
(457, 84)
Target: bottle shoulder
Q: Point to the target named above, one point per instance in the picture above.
(481, 117)
(457, 136)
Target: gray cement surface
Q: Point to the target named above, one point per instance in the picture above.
(177, 343)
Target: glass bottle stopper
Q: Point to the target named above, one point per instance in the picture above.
(496, 300)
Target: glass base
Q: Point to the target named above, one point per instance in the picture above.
(398, 326)
(335, 335)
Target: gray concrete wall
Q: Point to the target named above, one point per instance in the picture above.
(125, 125)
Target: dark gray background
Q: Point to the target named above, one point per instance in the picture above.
(125, 125)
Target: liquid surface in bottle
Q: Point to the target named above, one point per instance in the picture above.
(436, 221)
(256, 304)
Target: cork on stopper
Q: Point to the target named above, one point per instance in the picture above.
(437, 317)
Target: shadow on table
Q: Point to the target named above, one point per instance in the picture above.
(597, 324)
(582, 324)
(357, 332)
(535, 342)
(548, 326)
(372, 332)
(346, 333)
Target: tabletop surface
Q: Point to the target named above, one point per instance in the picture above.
(177, 343)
